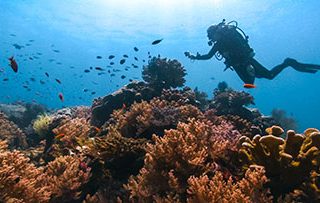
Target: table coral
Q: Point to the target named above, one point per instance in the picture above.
(289, 162)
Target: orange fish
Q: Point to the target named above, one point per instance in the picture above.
(97, 129)
(249, 86)
(13, 64)
(61, 97)
(59, 136)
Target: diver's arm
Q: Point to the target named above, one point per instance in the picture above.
(202, 57)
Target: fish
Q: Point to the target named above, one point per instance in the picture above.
(111, 63)
(85, 90)
(61, 97)
(135, 49)
(17, 46)
(112, 74)
(99, 68)
(87, 71)
(13, 64)
(58, 81)
(99, 57)
(32, 79)
(91, 68)
(156, 41)
(56, 50)
(122, 61)
(47, 74)
(111, 57)
(42, 82)
(92, 93)
(123, 76)
(125, 56)
(135, 58)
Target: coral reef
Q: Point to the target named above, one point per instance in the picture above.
(164, 73)
(283, 159)
(149, 142)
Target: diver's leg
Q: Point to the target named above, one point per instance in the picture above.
(262, 72)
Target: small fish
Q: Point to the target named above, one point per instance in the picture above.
(61, 97)
(156, 41)
(32, 79)
(101, 73)
(122, 61)
(87, 71)
(99, 68)
(135, 58)
(112, 74)
(59, 136)
(85, 90)
(42, 82)
(123, 76)
(130, 80)
(143, 60)
(125, 56)
(92, 93)
(58, 81)
(135, 49)
(13, 64)
(99, 57)
(47, 74)
(111, 63)
(56, 50)
(17, 46)
(111, 57)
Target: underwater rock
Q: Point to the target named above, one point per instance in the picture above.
(127, 95)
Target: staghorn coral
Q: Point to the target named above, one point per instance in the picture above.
(10, 132)
(163, 73)
(190, 150)
(284, 159)
(249, 189)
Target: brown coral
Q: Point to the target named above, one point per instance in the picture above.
(192, 149)
(147, 118)
(10, 132)
(249, 189)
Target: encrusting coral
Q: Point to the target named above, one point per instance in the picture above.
(289, 164)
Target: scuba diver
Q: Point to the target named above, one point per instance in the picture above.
(228, 41)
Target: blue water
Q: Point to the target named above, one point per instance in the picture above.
(80, 30)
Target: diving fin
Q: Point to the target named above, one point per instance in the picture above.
(302, 67)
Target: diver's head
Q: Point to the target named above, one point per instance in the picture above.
(212, 34)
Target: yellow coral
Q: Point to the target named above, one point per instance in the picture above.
(41, 124)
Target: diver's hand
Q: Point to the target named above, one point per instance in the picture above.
(190, 56)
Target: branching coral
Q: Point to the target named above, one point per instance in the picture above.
(163, 73)
(145, 118)
(284, 159)
(249, 189)
(192, 149)
(10, 132)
